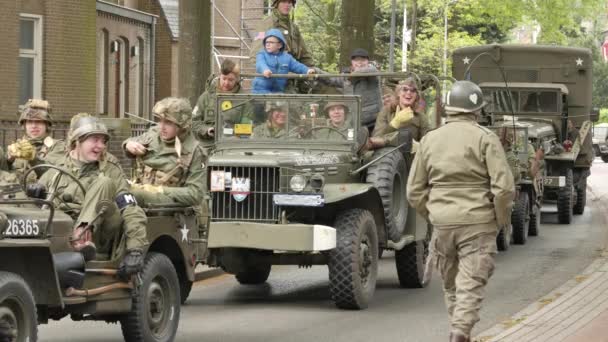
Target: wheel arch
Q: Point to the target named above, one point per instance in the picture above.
(167, 245)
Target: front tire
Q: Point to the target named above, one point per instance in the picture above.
(254, 275)
(534, 227)
(605, 158)
(581, 198)
(18, 317)
(156, 305)
(353, 264)
(389, 176)
(565, 200)
(520, 219)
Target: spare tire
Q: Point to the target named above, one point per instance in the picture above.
(389, 176)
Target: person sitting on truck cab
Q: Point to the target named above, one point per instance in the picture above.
(170, 162)
(404, 115)
(103, 181)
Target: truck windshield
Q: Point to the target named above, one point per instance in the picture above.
(521, 101)
(281, 118)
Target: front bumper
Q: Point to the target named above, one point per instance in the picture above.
(280, 237)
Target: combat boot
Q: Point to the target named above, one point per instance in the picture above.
(458, 337)
(82, 241)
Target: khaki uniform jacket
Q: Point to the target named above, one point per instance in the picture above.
(265, 131)
(291, 32)
(162, 156)
(203, 115)
(333, 133)
(418, 125)
(460, 176)
(48, 151)
(134, 218)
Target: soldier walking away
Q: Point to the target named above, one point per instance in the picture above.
(36, 146)
(123, 231)
(170, 162)
(460, 181)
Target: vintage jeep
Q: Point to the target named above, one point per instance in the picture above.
(525, 217)
(549, 88)
(600, 141)
(307, 194)
(41, 278)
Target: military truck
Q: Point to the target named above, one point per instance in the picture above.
(307, 194)
(600, 141)
(548, 89)
(42, 279)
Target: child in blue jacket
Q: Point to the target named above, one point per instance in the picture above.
(273, 59)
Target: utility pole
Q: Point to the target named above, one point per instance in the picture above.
(194, 47)
(391, 59)
(405, 40)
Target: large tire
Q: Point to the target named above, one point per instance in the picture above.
(185, 286)
(18, 317)
(503, 239)
(353, 264)
(534, 227)
(605, 158)
(565, 200)
(581, 198)
(389, 176)
(155, 312)
(520, 219)
(411, 261)
(254, 275)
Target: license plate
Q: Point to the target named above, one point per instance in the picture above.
(22, 228)
(555, 182)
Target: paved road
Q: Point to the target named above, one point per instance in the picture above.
(295, 304)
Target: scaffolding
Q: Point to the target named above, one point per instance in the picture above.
(250, 12)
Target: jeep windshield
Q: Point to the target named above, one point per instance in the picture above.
(287, 118)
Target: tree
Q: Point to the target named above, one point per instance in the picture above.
(194, 47)
(357, 30)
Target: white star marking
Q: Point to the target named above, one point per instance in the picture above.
(579, 62)
(466, 60)
(184, 231)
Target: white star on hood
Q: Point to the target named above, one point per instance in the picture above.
(184, 231)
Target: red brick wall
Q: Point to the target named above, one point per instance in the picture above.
(69, 57)
(9, 52)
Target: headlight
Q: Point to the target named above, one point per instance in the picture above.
(297, 183)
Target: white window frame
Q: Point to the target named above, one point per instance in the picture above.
(35, 53)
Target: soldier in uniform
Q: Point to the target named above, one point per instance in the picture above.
(279, 19)
(203, 115)
(123, 232)
(275, 126)
(338, 122)
(404, 115)
(37, 146)
(170, 162)
(460, 181)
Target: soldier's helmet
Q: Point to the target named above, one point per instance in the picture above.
(276, 105)
(334, 104)
(86, 125)
(176, 110)
(36, 109)
(464, 97)
(275, 3)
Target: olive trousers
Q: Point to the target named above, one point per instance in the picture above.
(464, 256)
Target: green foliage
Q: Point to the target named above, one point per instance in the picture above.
(603, 116)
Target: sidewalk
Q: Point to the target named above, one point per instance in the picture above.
(574, 312)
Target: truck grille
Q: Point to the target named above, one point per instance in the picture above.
(258, 205)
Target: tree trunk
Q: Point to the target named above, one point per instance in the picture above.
(194, 47)
(357, 29)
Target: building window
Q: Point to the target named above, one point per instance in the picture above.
(30, 57)
(103, 51)
(138, 53)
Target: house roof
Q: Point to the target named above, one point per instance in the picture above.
(171, 10)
